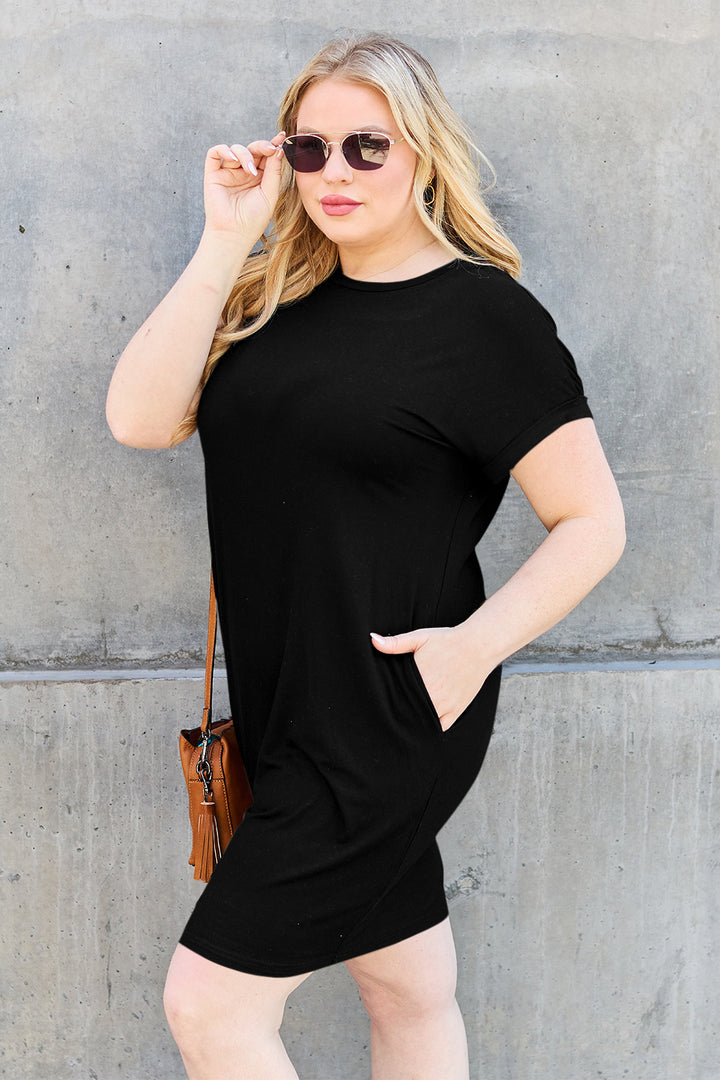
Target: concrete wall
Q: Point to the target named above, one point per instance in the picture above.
(581, 871)
(601, 121)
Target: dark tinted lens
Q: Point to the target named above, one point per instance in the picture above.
(305, 153)
(366, 150)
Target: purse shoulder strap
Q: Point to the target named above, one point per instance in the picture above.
(210, 658)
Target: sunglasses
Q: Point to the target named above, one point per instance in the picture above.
(363, 150)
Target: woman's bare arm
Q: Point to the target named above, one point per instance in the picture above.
(568, 482)
(157, 377)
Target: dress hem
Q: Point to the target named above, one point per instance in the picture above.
(288, 969)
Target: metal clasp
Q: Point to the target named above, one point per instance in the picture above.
(203, 767)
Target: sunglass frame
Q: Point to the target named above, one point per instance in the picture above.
(325, 144)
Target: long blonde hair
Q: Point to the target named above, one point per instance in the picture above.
(297, 256)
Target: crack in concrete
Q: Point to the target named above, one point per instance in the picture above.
(470, 880)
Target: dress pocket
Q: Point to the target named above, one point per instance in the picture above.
(485, 698)
(423, 691)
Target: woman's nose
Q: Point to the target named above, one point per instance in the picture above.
(336, 167)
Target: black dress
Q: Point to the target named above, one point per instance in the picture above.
(356, 450)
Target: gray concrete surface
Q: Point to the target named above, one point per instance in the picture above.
(583, 869)
(601, 121)
(582, 872)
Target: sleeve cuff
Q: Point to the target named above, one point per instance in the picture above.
(575, 409)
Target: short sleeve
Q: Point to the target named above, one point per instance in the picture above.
(518, 384)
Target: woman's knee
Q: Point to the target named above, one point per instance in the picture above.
(415, 979)
(398, 999)
(194, 987)
(185, 1003)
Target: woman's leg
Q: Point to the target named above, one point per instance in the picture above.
(226, 1023)
(408, 989)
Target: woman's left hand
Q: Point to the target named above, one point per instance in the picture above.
(449, 665)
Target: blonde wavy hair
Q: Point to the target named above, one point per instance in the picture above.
(297, 256)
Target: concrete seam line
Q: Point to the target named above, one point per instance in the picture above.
(198, 674)
(684, 663)
(107, 675)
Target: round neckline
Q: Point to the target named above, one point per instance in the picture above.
(383, 286)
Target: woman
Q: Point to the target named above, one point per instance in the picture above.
(363, 388)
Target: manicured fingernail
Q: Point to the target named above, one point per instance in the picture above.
(378, 637)
(233, 156)
(251, 167)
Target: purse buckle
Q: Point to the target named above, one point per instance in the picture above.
(203, 767)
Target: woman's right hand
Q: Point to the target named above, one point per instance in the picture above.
(242, 184)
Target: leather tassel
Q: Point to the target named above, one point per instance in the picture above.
(207, 851)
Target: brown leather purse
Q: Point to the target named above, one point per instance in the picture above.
(218, 788)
